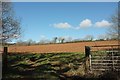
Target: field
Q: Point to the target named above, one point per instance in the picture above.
(62, 62)
(60, 66)
(45, 66)
(58, 48)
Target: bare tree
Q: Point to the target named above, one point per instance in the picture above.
(20, 42)
(59, 39)
(62, 40)
(113, 31)
(88, 37)
(10, 28)
(44, 41)
(103, 37)
(30, 42)
(55, 39)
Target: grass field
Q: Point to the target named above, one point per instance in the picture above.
(51, 66)
(45, 66)
(51, 62)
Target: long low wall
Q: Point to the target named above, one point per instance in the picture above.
(58, 48)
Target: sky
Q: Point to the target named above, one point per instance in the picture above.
(63, 19)
(61, 0)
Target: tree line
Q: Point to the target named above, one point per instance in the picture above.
(61, 40)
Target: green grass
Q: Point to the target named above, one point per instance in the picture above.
(52, 66)
(44, 66)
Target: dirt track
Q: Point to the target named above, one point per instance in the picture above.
(57, 48)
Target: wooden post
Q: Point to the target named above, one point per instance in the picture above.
(90, 62)
(4, 59)
(87, 51)
(88, 59)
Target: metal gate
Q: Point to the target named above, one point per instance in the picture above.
(105, 57)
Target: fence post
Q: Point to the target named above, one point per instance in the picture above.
(88, 58)
(4, 59)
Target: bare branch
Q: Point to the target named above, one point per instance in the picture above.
(10, 24)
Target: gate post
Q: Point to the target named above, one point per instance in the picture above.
(4, 59)
(88, 59)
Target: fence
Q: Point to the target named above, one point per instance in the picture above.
(104, 57)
